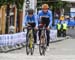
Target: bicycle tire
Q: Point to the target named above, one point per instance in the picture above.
(32, 50)
(42, 48)
(27, 50)
(27, 44)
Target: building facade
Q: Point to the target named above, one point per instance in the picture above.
(71, 6)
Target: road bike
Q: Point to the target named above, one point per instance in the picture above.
(43, 41)
(29, 40)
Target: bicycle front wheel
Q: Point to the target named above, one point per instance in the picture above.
(43, 44)
(27, 49)
(27, 45)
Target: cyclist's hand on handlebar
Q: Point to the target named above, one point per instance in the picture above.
(28, 25)
(36, 28)
(40, 25)
(48, 28)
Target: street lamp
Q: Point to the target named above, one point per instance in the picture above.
(27, 2)
(27, 6)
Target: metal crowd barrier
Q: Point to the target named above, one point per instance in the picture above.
(10, 42)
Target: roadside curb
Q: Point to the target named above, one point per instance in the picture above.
(5, 49)
(60, 39)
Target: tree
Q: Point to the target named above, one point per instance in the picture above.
(57, 6)
(19, 4)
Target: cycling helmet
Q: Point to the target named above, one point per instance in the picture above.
(30, 11)
(44, 6)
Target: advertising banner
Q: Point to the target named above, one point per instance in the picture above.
(12, 39)
(53, 35)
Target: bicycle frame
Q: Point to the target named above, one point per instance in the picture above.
(31, 40)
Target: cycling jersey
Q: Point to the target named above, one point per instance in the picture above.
(48, 14)
(29, 19)
(33, 22)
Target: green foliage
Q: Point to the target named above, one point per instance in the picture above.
(19, 3)
(2, 2)
(5, 2)
(59, 4)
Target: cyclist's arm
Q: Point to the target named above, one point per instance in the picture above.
(39, 15)
(36, 20)
(25, 21)
(50, 17)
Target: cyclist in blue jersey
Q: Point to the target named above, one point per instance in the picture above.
(47, 14)
(31, 19)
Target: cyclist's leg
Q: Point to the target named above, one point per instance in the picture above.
(47, 32)
(48, 37)
(34, 32)
(39, 33)
(35, 36)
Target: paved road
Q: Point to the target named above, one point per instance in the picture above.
(63, 50)
(71, 32)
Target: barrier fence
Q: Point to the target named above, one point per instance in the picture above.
(10, 42)
(18, 38)
(12, 39)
